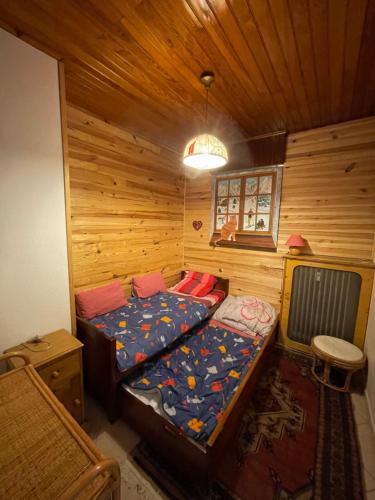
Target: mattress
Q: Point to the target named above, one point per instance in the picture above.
(145, 327)
(193, 383)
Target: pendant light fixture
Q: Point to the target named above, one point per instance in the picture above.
(205, 151)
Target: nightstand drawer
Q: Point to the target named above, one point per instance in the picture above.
(60, 370)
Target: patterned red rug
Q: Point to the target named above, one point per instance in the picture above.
(298, 441)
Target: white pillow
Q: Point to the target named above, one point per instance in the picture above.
(246, 312)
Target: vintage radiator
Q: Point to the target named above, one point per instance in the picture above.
(324, 297)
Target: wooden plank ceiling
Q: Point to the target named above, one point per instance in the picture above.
(279, 64)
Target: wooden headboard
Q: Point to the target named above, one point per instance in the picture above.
(222, 283)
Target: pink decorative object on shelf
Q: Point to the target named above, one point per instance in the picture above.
(295, 243)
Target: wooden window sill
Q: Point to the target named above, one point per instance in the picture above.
(246, 242)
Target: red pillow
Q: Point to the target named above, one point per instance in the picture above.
(100, 300)
(149, 284)
(196, 284)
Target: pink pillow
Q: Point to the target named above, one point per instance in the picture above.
(100, 300)
(149, 284)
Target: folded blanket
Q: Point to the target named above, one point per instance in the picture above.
(246, 313)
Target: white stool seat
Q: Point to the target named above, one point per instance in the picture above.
(338, 353)
(338, 348)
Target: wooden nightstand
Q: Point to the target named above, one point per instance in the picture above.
(60, 366)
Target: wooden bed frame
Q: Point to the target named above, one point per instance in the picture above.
(183, 453)
(101, 376)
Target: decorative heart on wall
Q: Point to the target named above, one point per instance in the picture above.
(197, 224)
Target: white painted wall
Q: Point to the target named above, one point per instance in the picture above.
(370, 351)
(34, 286)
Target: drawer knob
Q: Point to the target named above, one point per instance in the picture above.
(77, 402)
(55, 374)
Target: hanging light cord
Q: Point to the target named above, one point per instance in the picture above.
(206, 127)
(206, 104)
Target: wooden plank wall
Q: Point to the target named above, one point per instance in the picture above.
(329, 189)
(328, 196)
(126, 204)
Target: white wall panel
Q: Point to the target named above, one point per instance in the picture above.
(34, 285)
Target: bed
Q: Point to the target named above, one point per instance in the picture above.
(188, 404)
(116, 343)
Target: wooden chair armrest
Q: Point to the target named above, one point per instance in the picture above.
(107, 467)
(15, 354)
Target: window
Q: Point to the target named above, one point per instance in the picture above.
(249, 202)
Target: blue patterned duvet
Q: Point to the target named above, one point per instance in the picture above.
(146, 326)
(197, 379)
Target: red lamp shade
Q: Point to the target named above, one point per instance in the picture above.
(295, 240)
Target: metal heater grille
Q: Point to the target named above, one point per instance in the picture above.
(323, 302)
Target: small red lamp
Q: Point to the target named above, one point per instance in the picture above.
(295, 243)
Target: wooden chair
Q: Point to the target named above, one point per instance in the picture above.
(44, 453)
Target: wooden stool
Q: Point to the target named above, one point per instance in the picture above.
(339, 354)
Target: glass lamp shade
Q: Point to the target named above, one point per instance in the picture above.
(205, 152)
